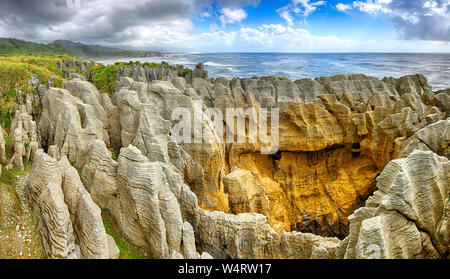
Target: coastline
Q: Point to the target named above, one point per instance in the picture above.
(435, 66)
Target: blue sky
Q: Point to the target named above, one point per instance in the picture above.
(325, 20)
(236, 25)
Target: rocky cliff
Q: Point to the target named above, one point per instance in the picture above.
(361, 170)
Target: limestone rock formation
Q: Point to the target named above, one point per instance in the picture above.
(66, 216)
(70, 124)
(85, 214)
(405, 218)
(24, 137)
(434, 137)
(248, 236)
(49, 209)
(146, 210)
(172, 199)
(114, 252)
(3, 159)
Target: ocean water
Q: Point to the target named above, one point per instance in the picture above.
(435, 67)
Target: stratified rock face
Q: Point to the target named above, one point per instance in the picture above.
(406, 217)
(308, 191)
(65, 212)
(434, 137)
(149, 212)
(229, 200)
(70, 124)
(99, 174)
(336, 135)
(2, 147)
(85, 214)
(24, 136)
(249, 236)
(145, 114)
(49, 209)
(188, 247)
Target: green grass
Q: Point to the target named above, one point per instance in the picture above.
(127, 250)
(115, 155)
(18, 235)
(15, 71)
(9, 177)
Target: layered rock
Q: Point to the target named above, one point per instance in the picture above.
(24, 137)
(146, 210)
(249, 236)
(3, 159)
(68, 221)
(145, 115)
(70, 124)
(49, 209)
(434, 137)
(406, 217)
(336, 135)
(147, 200)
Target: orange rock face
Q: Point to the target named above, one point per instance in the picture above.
(336, 135)
(310, 191)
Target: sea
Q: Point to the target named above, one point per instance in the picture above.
(435, 67)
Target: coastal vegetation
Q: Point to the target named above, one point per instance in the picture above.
(65, 47)
(15, 71)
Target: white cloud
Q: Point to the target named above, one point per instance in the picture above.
(286, 15)
(276, 37)
(232, 15)
(372, 7)
(279, 38)
(181, 36)
(418, 19)
(433, 8)
(343, 7)
(296, 8)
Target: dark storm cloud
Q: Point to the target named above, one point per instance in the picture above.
(23, 17)
(95, 20)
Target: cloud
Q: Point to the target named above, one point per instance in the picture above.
(103, 21)
(343, 7)
(168, 25)
(418, 19)
(232, 15)
(372, 7)
(112, 22)
(298, 7)
(276, 37)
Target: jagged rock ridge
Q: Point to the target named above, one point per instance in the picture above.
(336, 135)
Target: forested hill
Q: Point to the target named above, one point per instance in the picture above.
(103, 51)
(15, 46)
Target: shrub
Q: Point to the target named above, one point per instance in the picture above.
(104, 78)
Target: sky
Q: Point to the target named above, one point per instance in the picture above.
(235, 25)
